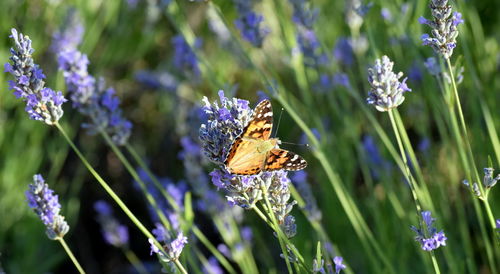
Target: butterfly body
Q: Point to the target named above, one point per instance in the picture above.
(254, 151)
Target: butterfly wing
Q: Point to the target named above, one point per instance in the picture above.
(261, 125)
(283, 159)
(244, 158)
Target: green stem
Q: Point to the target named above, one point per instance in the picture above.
(153, 178)
(180, 266)
(408, 175)
(197, 232)
(138, 179)
(107, 188)
(411, 181)
(70, 254)
(276, 227)
(132, 258)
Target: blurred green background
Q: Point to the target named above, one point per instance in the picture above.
(121, 40)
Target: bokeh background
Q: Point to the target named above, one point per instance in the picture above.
(129, 44)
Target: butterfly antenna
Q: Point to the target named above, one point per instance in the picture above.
(279, 120)
(295, 144)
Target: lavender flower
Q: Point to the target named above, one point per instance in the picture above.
(46, 205)
(343, 51)
(498, 223)
(311, 207)
(70, 35)
(223, 125)
(161, 80)
(303, 14)
(184, 57)
(354, 13)
(488, 180)
(249, 23)
(444, 28)
(338, 264)
(113, 232)
(428, 237)
(386, 89)
(42, 103)
(310, 48)
(318, 267)
(304, 17)
(91, 97)
(176, 191)
(212, 267)
(172, 246)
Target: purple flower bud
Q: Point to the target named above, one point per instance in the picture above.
(46, 205)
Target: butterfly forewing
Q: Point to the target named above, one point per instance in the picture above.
(284, 159)
(262, 123)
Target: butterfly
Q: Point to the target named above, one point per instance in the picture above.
(254, 151)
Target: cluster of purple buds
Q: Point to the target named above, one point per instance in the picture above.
(184, 58)
(386, 90)
(249, 23)
(355, 10)
(46, 205)
(299, 179)
(114, 233)
(304, 18)
(428, 236)
(488, 182)
(172, 247)
(175, 190)
(444, 28)
(194, 161)
(224, 124)
(42, 103)
(90, 96)
(70, 35)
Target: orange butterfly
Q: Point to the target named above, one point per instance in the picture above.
(254, 151)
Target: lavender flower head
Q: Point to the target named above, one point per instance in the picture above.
(387, 91)
(488, 179)
(249, 23)
(338, 264)
(172, 247)
(311, 207)
(46, 205)
(303, 14)
(184, 57)
(42, 103)
(444, 28)
(70, 35)
(224, 124)
(427, 236)
(91, 97)
(113, 232)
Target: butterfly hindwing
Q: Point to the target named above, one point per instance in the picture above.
(284, 159)
(261, 125)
